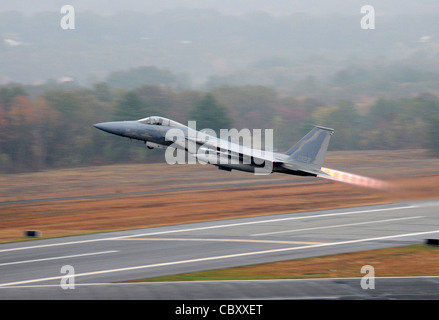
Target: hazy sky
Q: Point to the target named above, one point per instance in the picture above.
(382, 7)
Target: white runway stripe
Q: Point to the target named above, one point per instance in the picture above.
(57, 258)
(336, 226)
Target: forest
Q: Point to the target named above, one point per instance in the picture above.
(52, 126)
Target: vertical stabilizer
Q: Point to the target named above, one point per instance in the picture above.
(311, 149)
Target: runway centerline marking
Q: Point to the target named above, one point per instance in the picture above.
(313, 216)
(57, 258)
(335, 226)
(220, 240)
(99, 272)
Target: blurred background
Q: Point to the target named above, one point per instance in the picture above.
(279, 64)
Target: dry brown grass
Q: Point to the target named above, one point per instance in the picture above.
(410, 171)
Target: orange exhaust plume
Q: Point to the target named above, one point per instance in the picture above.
(355, 179)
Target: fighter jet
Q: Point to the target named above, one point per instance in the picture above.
(305, 158)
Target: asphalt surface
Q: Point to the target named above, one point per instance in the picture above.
(38, 269)
(413, 288)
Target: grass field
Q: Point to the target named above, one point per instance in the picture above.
(107, 198)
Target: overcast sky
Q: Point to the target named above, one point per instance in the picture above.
(382, 7)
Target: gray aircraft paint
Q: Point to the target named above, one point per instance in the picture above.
(305, 158)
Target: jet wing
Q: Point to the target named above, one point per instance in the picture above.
(229, 150)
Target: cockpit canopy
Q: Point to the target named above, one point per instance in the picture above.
(161, 121)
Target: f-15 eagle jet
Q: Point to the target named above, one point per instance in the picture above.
(305, 158)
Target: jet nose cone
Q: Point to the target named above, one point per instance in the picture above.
(102, 126)
(98, 125)
(110, 127)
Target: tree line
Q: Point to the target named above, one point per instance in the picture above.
(53, 128)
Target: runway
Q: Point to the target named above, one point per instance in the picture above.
(36, 267)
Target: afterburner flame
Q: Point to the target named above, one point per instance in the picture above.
(355, 179)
